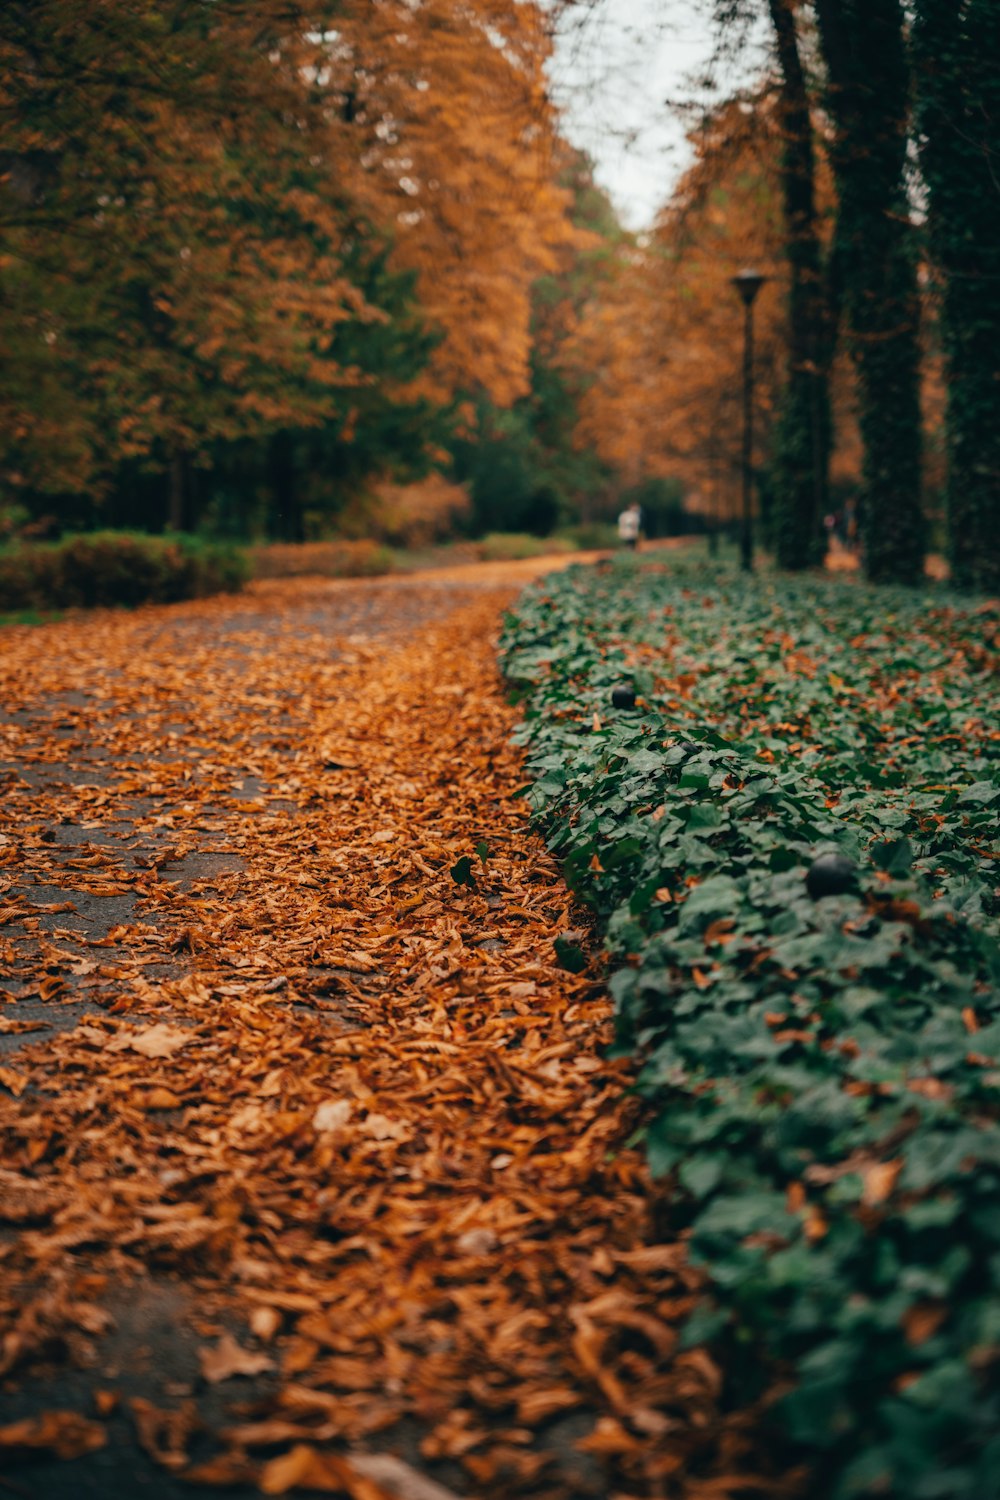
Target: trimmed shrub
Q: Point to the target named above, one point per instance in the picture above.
(512, 546)
(108, 568)
(335, 559)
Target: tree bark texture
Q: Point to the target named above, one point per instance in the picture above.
(802, 458)
(868, 99)
(956, 48)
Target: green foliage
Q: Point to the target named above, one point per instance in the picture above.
(823, 1075)
(592, 536)
(510, 546)
(502, 464)
(116, 568)
(662, 505)
(461, 872)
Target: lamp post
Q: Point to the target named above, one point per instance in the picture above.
(747, 284)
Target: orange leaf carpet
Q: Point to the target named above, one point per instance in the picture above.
(314, 1175)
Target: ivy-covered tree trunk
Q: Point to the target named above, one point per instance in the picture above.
(868, 99)
(802, 451)
(956, 45)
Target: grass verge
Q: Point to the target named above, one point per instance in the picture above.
(822, 1069)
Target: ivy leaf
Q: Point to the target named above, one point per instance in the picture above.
(461, 872)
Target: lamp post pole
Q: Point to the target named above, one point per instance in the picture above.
(747, 284)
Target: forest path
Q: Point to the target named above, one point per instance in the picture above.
(314, 1174)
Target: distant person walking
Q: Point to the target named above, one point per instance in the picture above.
(629, 525)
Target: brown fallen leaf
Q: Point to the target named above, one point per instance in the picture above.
(923, 1320)
(160, 1098)
(265, 1322)
(67, 1434)
(11, 1079)
(399, 1479)
(225, 1470)
(879, 1181)
(381, 1128)
(164, 1433)
(160, 1040)
(229, 1358)
(332, 1114)
(12, 1027)
(307, 1468)
(23, 1200)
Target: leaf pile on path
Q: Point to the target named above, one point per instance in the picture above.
(352, 1107)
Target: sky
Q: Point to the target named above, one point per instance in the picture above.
(616, 72)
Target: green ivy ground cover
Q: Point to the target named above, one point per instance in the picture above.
(823, 1074)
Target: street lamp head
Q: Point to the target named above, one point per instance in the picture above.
(748, 284)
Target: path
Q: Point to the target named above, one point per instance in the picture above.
(313, 1172)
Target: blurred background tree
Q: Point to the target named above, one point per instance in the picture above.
(264, 263)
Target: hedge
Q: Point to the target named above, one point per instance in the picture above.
(115, 568)
(822, 1071)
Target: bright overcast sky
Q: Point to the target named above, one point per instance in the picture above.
(615, 75)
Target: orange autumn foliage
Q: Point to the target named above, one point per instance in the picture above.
(184, 192)
(456, 137)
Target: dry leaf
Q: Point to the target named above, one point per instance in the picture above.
(307, 1468)
(476, 1242)
(264, 1323)
(879, 1180)
(332, 1115)
(228, 1358)
(923, 1320)
(161, 1040)
(164, 1432)
(226, 1470)
(381, 1128)
(65, 1433)
(398, 1479)
(11, 1079)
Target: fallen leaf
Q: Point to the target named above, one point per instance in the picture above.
(161, 1040)
(332, 1115)
(65, 1433)
(476, 1242)
(381, 1128)
(398, 1479)
(307, 1468)
(164, 1432)
(879, 1181)
(16, 1082)
(229, 1358)
(264, 1323)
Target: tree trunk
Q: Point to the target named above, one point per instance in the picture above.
(177, 493)
(956, 48)
(802, 458)
(287, 520)
(868, 98)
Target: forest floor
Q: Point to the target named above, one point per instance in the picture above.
(313, 1172)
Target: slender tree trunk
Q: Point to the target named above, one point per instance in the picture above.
(956, 49)
(802, 459)
(287, 520)
(177, 492)
(868, 98)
